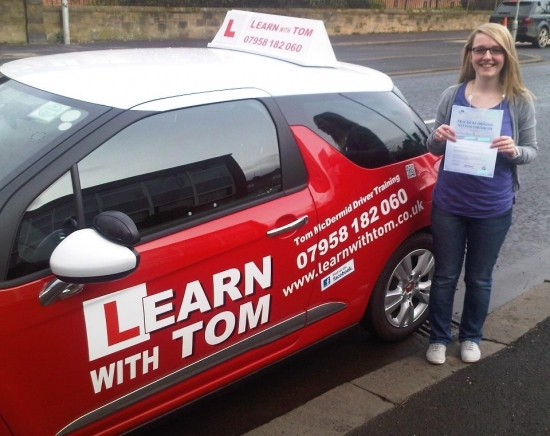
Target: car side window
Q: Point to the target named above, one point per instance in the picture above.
(180, 165)
(162, 171)
(46, 222)
(371, 129)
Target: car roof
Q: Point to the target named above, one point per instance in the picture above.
(128, 78)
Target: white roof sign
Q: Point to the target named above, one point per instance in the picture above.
(298, 40)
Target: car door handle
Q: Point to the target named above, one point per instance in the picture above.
(287, 228)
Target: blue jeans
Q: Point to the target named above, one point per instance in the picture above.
(480, 239)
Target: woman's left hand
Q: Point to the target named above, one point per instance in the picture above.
(505, 145)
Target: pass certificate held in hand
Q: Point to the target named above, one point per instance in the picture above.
(475, 130)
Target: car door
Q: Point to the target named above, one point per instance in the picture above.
(219, 195)
(373, 192)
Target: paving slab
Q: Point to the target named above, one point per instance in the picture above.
(332, 414)
(518, 316)
(400, 380)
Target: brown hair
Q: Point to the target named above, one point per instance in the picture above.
(510, 76)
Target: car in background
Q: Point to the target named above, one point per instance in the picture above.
(533, 20)
(176, 219)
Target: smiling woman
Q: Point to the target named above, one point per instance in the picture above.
(473, 205)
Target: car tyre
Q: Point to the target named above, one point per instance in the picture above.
(398, 305)
(542, 38)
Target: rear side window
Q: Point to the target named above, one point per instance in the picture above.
(370, 129)
(163, 171)
(509, 9)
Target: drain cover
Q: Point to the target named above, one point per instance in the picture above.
(424, 330)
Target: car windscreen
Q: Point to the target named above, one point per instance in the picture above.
(32, 122)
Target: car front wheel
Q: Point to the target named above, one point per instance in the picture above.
(399, 302)
(542, 38)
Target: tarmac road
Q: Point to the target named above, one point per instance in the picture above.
(379, 50)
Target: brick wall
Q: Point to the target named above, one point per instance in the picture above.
(111, 23)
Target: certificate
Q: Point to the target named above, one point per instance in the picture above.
(475, 130)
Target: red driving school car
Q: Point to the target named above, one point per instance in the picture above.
(175, 219)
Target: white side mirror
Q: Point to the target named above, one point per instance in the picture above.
(87, 257)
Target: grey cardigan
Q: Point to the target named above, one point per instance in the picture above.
(523, 123)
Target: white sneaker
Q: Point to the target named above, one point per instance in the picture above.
(436, 354)
(469, 352)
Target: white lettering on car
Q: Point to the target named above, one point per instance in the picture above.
(105, 376)
(129, 317)
(247, 316)
(363, 230)
(363, 239)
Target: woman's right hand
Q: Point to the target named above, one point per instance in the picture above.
(444, 133)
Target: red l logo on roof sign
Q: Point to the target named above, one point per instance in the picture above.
(228, 32)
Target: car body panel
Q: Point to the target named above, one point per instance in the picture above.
(258, 234)
(125, 340)
(352, 205)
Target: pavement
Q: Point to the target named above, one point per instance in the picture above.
(506, 393)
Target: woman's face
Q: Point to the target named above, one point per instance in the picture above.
(487, 63)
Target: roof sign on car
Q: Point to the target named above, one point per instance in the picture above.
(298, 40)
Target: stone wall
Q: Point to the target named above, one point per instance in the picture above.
(35, 22)
(13, 21)
(111, 23)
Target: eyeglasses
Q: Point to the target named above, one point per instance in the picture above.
(495, 51)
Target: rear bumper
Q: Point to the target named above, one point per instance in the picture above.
(524, 33)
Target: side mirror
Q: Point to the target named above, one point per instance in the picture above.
(97, 255)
